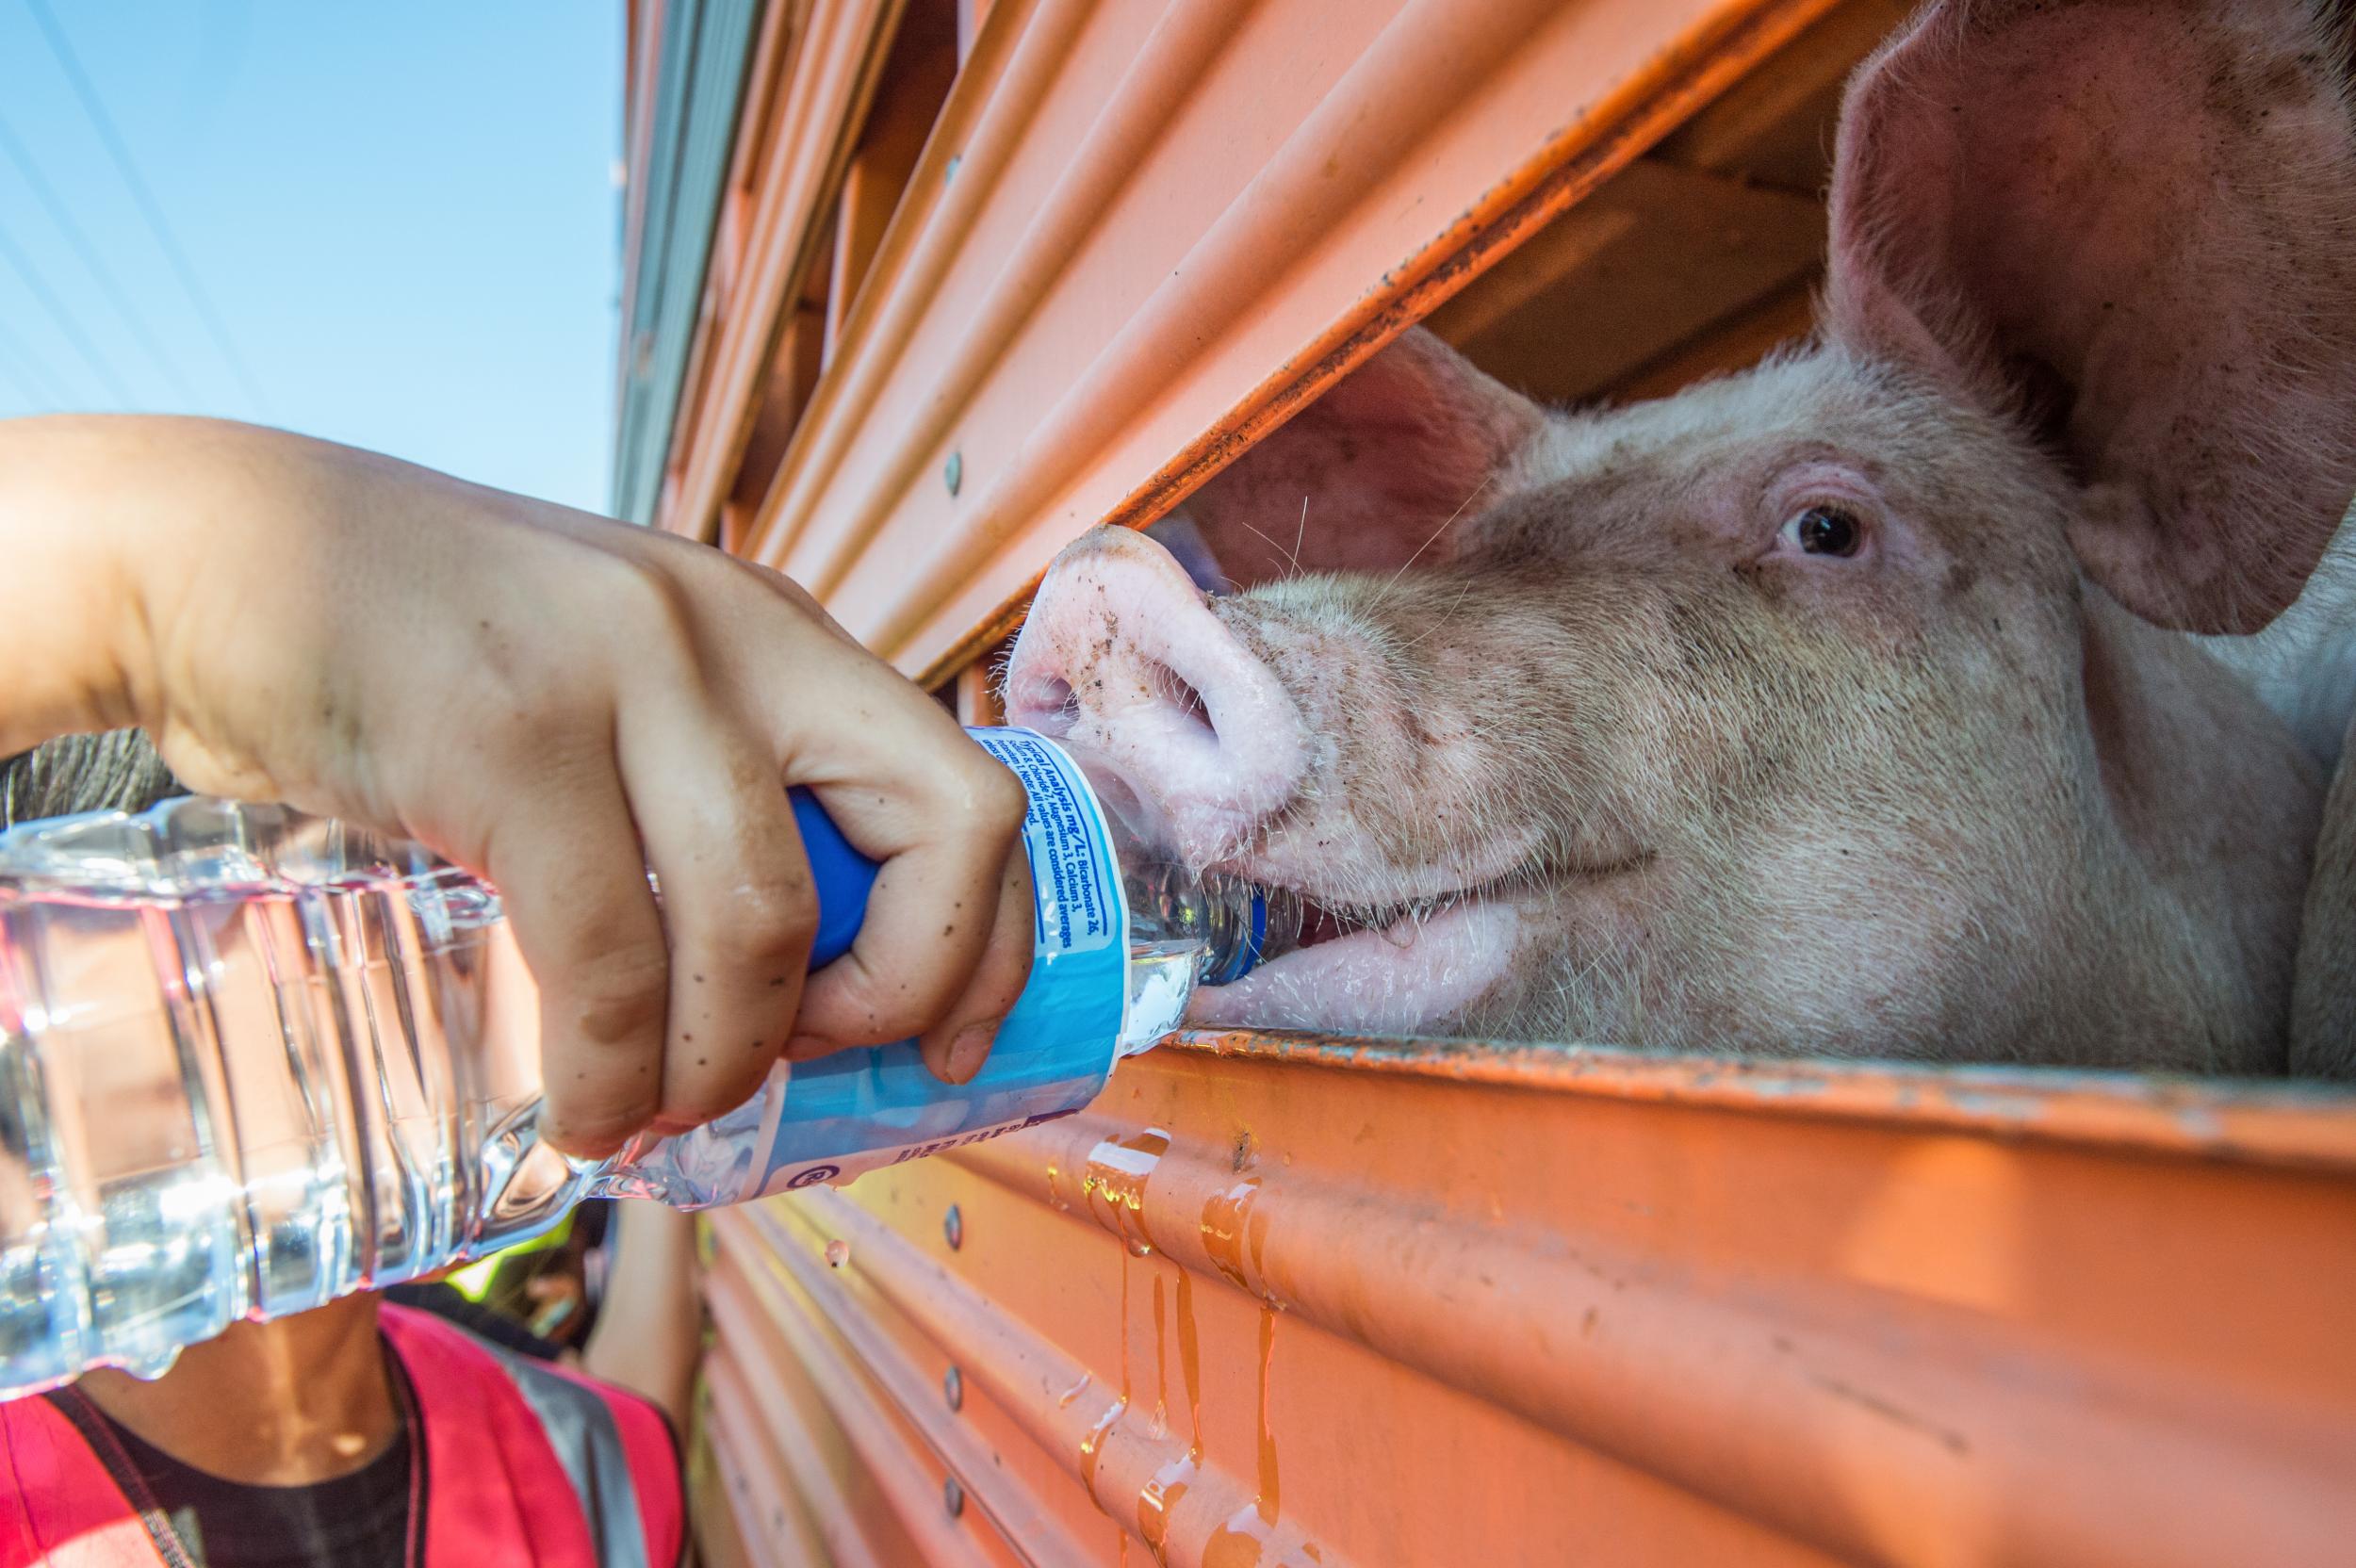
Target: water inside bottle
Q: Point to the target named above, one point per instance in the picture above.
(1188, 928)
(228, 1088)
(250, 1061)
(1161, 978)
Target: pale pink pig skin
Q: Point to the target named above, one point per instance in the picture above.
(1846, 705)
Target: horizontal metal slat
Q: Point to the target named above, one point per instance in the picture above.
(877, 1398)
(1570, 1312)
(705, 45)
(1166, 227)
(823, 105)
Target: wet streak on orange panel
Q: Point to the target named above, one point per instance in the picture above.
(1451, 1301)
(1354, 1457)
(2067, 1328)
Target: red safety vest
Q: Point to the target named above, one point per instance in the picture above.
(513, 1461)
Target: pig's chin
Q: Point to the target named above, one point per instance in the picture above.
(1416, 974)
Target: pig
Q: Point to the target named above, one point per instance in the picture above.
(2303, 665)
(2323, 1001)
(1854, 705)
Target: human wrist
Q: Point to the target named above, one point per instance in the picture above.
(107, 522)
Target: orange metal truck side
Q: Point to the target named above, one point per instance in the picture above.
(1166, 229)
(1289, 1299)
(1286, 1300)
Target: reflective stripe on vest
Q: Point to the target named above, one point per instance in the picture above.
(612, 1447)
(521, 1464)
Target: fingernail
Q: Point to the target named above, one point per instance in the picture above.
(971, 1047)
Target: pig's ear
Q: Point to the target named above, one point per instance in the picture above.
(1384, 463)
(2133, 223)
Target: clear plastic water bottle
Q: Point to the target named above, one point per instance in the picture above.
(250, 1060)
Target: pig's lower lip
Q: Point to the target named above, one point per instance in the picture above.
(1374, 982)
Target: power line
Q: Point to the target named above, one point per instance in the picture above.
(156, 224)
(63, 318)
(63, 218)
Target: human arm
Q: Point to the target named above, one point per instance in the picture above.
(552, 700)
(649, 1328)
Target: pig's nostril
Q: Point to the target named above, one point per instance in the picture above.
(1180, 693)
(1054, 707)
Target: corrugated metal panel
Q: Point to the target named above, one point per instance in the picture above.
(700, 79)
(1288, 1300)
(821, 106)
(1167, 226)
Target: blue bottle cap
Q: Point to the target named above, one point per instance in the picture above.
(1248, 950)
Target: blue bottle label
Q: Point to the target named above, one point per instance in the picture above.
(856, 1111)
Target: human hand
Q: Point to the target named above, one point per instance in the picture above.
(551, 699)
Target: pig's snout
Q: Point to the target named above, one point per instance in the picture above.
(1123, 660)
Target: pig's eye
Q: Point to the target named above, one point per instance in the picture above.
(1824, 531)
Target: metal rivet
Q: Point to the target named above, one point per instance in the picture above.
(953, 474)
(952, 1387)
(953, 1226)
(953, 1496)
(949, 170)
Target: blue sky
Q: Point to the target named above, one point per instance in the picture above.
(404, 216)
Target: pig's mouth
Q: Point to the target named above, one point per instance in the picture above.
(1398, 923)
(1379, 967)
(1425, 964)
